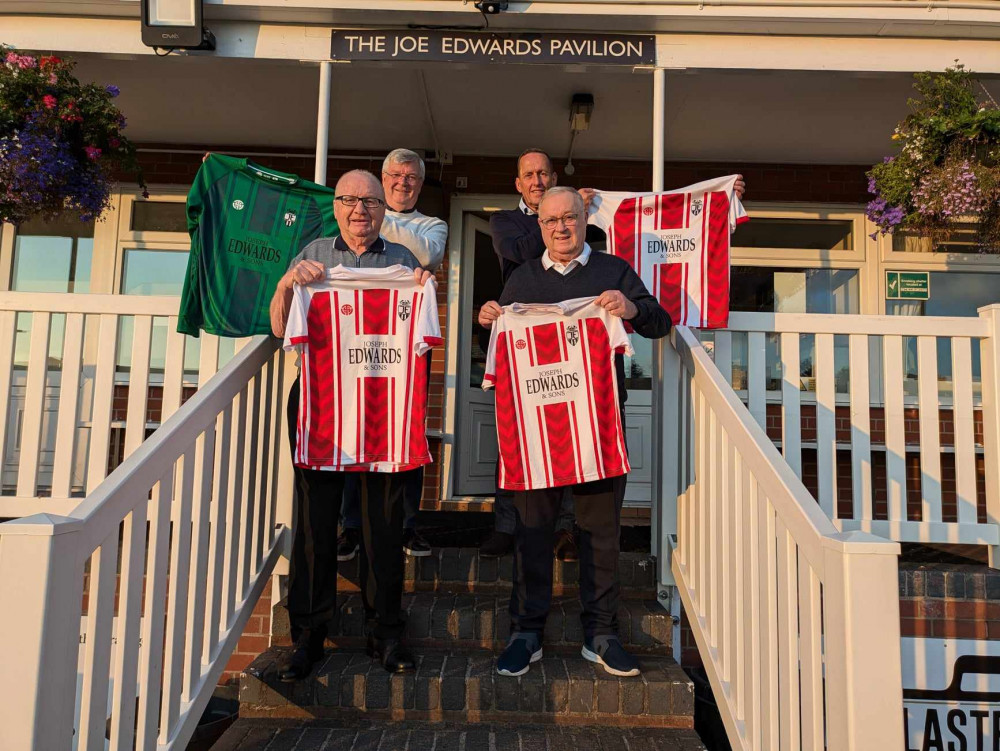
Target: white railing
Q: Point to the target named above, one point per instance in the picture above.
(797, 623)
(887, 439)
(82, 381)
(168, 555)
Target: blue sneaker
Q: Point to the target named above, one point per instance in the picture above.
(609, 653)
(522, 650)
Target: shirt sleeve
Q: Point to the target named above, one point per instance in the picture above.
(601, 213)
(426, 243)
(297, 328)
(737, 214)
(428, 325)
(620, 342)
(490, 376)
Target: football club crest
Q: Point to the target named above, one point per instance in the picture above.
(289, 218)
(403, 310)
(696, 206)
(238, 204)
(346, 310)
(647, 211)
(572, 335)
(520, 344)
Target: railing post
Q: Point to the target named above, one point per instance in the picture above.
(990, 351)
(41, 590)
(864, 684)
(668, 460)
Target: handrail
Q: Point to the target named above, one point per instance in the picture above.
(840, 323)
(169, 554)
(797, 624)
(58, 302)
(112, 498)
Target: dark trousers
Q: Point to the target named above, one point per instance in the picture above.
(505, 519)
(598, 515)
(350, 512)
(312, 580)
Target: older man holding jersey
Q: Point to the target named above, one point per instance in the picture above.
(567, 269)
(425, 237)
(359, 206)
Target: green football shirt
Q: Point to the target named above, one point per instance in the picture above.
(246, 223)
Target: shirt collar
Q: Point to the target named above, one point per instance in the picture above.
(548, 263)
(525, 209)
(376, 247)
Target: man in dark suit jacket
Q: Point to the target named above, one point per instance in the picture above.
(517, 238)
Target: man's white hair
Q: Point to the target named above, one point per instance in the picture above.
(404, 156)
(560, 190)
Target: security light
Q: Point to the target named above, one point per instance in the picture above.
(175, 24)
(580, 110)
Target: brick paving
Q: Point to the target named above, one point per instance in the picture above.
(283, 735)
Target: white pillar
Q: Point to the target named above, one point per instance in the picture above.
(990, 349)
(659, 93)
(323, 122)
(667, 371)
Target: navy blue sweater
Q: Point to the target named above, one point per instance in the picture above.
(531, 283)
(516, 238)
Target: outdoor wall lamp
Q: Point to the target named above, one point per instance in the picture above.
(580, 110)
(175, 24)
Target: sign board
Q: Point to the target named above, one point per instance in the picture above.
(951, 694)
(493, 47)
(907, 285)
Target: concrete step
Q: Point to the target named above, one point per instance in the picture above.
(295, 735)
(463, 570)
(454, 621)
(464, 687)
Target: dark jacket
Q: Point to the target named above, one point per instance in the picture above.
(516, 238)
(531, 283)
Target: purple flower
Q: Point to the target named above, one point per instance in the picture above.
(112, 90)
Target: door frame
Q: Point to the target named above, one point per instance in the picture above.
(458, 335)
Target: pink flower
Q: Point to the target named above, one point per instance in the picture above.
(49, 101)
(53, 79)
(92, 152)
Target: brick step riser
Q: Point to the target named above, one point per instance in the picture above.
(460, 689)
(461, 570)
(471, 623)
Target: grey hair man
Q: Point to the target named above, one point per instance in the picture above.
(425, 236)
(359, 206)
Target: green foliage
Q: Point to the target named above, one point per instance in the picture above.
(948, 165)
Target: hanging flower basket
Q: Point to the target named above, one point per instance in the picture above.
(947, 172)
(60, 141)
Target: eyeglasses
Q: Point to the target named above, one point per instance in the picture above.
(404, 177)
(568, 220)
(369, 202)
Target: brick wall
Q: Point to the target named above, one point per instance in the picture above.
(256, 638)
(958, 601)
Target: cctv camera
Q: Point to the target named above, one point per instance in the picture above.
(492, 7)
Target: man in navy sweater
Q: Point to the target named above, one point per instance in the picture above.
(566, 270)
(516, 239)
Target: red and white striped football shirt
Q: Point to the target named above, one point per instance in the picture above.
(558, 419)
(678, 244)
(363, 336)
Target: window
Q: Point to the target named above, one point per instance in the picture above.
(963, 240)
(791, 290)
(153, 272)
(952, 293)
(158, 216)
(53, 256)
(798, 234)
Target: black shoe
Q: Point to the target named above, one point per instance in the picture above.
(298, 663)
(609, 653)
(522, 650)
(498, 544)
(391, 655)
(414, 544)
(347, 545)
